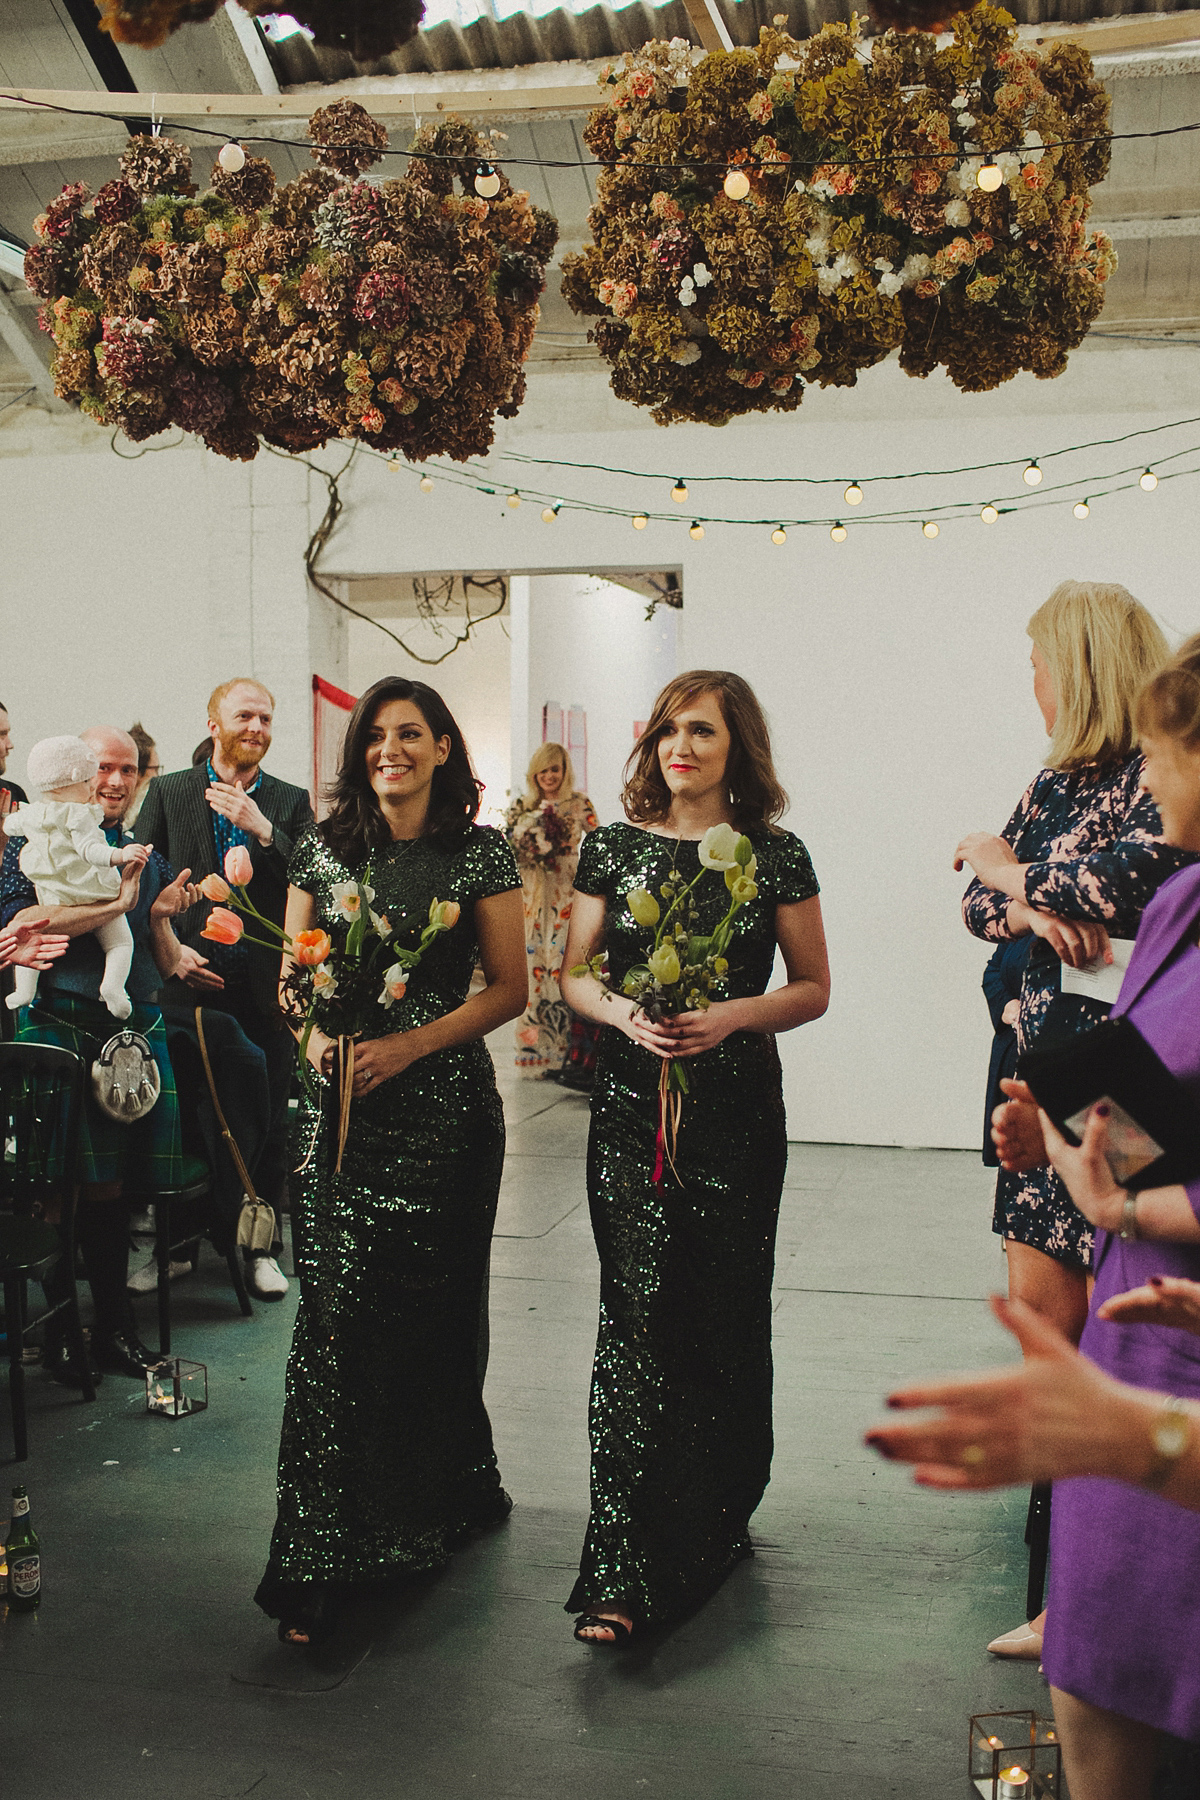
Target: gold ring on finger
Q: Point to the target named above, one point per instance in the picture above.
(973, 1455)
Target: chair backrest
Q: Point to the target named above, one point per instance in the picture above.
(41, 1105)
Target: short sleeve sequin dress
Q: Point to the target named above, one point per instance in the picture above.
(680, 1414)
(1094, 849)
(386, 1460)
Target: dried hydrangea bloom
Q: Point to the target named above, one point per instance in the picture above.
(250, 187)
(157, 165)
(346, 138)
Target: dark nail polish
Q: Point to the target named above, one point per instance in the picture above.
(1155, 1281)
(1103, 1109)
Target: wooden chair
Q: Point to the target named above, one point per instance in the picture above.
(41, 1104)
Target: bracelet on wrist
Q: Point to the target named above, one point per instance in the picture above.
(1128, 1231)
(1170, 1437)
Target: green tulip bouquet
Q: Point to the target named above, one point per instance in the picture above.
(683, 966)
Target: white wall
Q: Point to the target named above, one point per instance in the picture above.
(591, 645)
(894, 669)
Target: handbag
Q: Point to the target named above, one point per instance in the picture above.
(256, 1221)
(125, 1078)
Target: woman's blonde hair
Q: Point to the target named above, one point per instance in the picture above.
(1169, 705)
(755, 792)
(542, 758)
(1101, 647)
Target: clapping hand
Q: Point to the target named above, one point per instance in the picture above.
(194, 970)
(1164, 1300)
(1085, 1170)
(30, 946)
(234, 803)
(176, 897)
(1017, 1129)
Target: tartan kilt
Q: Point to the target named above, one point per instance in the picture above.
(147, 1153)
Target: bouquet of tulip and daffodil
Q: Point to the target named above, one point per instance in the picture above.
(684, 969)
(334, 982)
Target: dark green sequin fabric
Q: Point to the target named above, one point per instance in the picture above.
(386, 1459)
(680, 1414)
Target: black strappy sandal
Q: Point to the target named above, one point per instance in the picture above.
(621, 1633)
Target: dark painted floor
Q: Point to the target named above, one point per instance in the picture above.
(843, 1661)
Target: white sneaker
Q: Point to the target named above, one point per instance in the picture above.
(144, 1278)
(266, 1279)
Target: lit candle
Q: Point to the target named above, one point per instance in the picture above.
(1014, 1783)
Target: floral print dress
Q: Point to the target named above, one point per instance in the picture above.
(547, 861)
(1094, 849)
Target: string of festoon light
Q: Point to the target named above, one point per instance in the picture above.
(1079, 495)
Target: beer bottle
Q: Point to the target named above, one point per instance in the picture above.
(24, 1558)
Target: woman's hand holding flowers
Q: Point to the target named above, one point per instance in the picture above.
(377, 1059)
(696, 1032)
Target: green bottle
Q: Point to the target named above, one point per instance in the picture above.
(24, 1558)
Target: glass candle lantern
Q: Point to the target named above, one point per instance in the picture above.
(1015, 1756)
(175, 1387)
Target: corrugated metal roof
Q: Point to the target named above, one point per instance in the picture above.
(580, 31)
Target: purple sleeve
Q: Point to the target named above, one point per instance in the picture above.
(1192, 1190)
(1113, 885)
(985, 909)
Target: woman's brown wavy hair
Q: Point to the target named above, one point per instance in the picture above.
(1169, 705)
(755, 793)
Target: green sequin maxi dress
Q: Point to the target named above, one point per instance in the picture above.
(386, 1460)
(680, 1414)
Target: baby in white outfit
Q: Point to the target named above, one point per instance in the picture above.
(70, 861)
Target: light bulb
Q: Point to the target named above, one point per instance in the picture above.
(930, 528)
(514, 500)
(989, 514)
(550, 513)
(231, 157)
(1148, 482)
(487, 182)
(853, 495)
(779, 535)
(696, 530)
(1031, 474)
(426, 484)
(1081, 509)
(679, 491)
(640, 521)
(838, 532)
(989, 176)
(394, 463)
(737, 184)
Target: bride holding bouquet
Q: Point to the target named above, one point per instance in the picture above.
(688, 1144)
(545, 826)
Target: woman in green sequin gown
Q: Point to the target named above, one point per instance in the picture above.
(680, 1414)
(386, 1460)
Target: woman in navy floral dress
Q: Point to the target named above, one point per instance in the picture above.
(1076, 864)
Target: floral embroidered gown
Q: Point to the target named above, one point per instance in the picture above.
(1095, 850)
(680, 1414)
(386, 1458)
(544, 1029)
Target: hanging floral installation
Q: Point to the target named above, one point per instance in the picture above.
(368, 29)
(399, 314)
(793, 213)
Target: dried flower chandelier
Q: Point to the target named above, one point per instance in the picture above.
(931, 201)
(398, 314)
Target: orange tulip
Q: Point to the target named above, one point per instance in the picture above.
(223, 926)
(239, 870)
(311, 947)
(213, 888)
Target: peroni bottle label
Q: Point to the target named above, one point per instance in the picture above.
(20, 1505)
(25, 1577)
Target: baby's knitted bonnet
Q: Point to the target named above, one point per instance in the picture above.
(57, 762)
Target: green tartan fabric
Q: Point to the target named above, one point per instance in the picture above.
(145, 1154)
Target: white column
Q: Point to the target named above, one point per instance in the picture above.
(518, 626)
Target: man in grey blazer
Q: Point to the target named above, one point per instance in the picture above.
(193, 817)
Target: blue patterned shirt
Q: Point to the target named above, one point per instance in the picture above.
(229, 960)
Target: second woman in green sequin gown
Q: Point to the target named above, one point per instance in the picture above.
(386, 1460)
(680, 1414)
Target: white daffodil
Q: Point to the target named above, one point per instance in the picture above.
(718, 848)
(348, 897)
(381, 924)
(324, 982)
(395, 983)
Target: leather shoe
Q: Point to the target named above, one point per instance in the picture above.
(62, 1367)
(1022, 1644)
(265, 1278)
(124, 1355)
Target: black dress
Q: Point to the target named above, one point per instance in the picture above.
(680, 1415)
(386, 1460)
